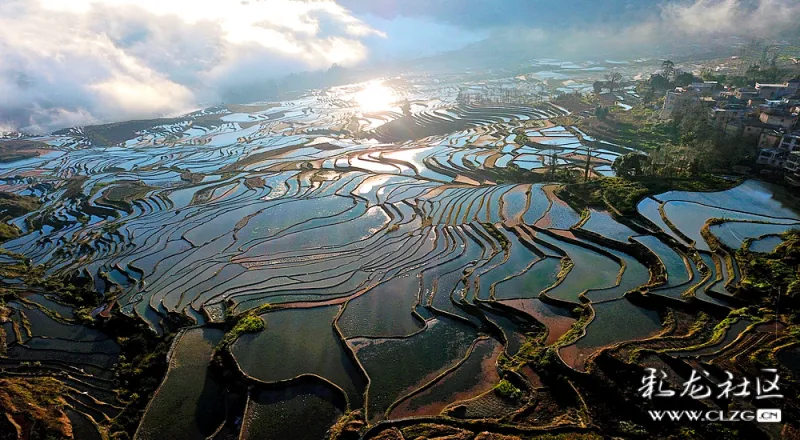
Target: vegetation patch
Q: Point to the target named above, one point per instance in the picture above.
(623, 194)
(18, 149)
(767, 277)
(639, 127)
(499, 236)
(141, 366)
(248, 323)
(506, 389)
(121, 195)
(12, 206)
(119, 132)
(38, 400)
(5, 312)
(349, 427)
(238, 325)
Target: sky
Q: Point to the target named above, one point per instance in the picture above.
(77, 62)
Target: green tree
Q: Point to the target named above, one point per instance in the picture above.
(771, 74)
(631, 165)
(753, 72)
(739, 81)
(683, 79)
(659, 82)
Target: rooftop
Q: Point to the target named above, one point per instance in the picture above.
(727, 109)
(752, 122)
(778, 112)
(759, 85)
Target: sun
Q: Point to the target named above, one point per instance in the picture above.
(375, 97)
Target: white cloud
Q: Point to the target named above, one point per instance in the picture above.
(759, 18)
(80, 61)
(668, 27)
(71, 62)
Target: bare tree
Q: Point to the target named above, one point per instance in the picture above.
(668, 70)
(587, 167)
(553, 164)
(612, 80)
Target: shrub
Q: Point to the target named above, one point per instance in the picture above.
(508, 390)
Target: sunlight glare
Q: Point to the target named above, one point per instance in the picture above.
(375, 97)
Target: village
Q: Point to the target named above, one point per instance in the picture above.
(765, 115)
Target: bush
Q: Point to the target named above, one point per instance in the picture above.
(508, 390)
(249, 324)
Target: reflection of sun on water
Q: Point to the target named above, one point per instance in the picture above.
(375, 97)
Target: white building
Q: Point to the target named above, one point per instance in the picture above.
(779, 157)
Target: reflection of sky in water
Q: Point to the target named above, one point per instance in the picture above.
(370, 184)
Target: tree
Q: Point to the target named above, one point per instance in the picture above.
(601, 112)
(587, 167)
(406, 107)
(771, 74)
(753, 72)
(668, 69)
(646, 91)
(659, 82)
(631, 165)
(683, 79)
(612, 80)
(739, 81)
(598, 87)
(702, 146)
(553, 164)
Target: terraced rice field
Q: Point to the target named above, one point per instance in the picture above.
(397, 270)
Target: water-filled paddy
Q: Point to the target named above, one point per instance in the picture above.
(300, 342)
(188, 403)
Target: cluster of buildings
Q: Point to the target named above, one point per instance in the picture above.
(766, 114)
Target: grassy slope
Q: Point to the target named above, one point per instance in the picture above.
(624, 194)
(639, 128)
(17, 149)
(11, 206)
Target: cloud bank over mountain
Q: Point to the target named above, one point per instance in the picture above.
(77, 62)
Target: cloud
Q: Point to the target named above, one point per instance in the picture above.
(591, 27)
(487, 14)
(696, 16)
(82, 61)
(735, 17)
(78, 62)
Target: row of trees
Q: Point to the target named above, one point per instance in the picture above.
(752, 75)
